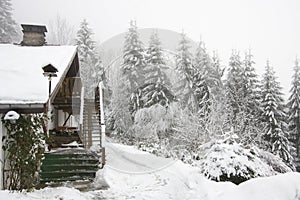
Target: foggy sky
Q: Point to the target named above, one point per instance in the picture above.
(271, 28)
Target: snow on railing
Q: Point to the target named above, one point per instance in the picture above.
(102, 122)
(81, 106)
(82, 137)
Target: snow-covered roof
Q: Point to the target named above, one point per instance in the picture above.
(21, 74)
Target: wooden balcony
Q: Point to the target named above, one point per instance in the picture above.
(68, 96)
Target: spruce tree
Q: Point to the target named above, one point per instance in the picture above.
(217, 92)
(235, 93)
(207, 77)
(186, 70)
(8, 30)
(156, 87)
(201, 92)
(294, 109)
(156, 64)
(133, 59)
(251, 97)
(202, 59)
(91, 70)
(150, 94)
(274, 116)
(203, 63)
(219, 72)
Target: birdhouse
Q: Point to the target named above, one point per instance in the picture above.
(50, 71)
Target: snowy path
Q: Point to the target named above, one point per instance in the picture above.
(133, 174)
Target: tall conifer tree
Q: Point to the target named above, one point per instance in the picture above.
(274, 116)
(186, 69)
(235, 93)
(133, 59)
(294, 109)
(156, 87)
(8, 29)
(91, 66)
(251, 97)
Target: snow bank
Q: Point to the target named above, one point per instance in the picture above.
(279, 187)
(132, 174)
(60, 193)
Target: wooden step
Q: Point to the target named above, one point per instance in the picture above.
(65, 179)
(68, 165)
(70, 161)
(66, 174)
(65, 166)
(68, 155)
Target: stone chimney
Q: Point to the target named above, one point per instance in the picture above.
(33, 35)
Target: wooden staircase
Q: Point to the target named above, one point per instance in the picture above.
(69, 165)
(77, 164)
(91, 130)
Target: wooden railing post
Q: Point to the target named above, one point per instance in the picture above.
(81, 115)
(102, 130)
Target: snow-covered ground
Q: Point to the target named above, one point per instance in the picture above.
(133, 174)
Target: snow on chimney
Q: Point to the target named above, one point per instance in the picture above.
(33, 35)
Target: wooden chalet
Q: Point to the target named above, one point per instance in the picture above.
(27, 85)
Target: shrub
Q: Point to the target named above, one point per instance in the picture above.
(23, 146)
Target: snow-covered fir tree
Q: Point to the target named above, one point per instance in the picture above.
(154, 72)
(150, 94)
(8, 29)
(186, 70)
(275, 134)
(294, 109)
(218, 113)
(251, 86)
(235, 93)
(91, 70)
(207, 76)
(119, 118)
(133, 59)
(202, 59)
(218, 74)
(201, 92)
(156, 88)
(208, 69)
(251, 99)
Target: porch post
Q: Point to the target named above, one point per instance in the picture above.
(102, 122)
(82, 137)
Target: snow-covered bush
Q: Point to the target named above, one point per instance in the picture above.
(275, 162)
(227, 160)
(189, 131)
(154, 122)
